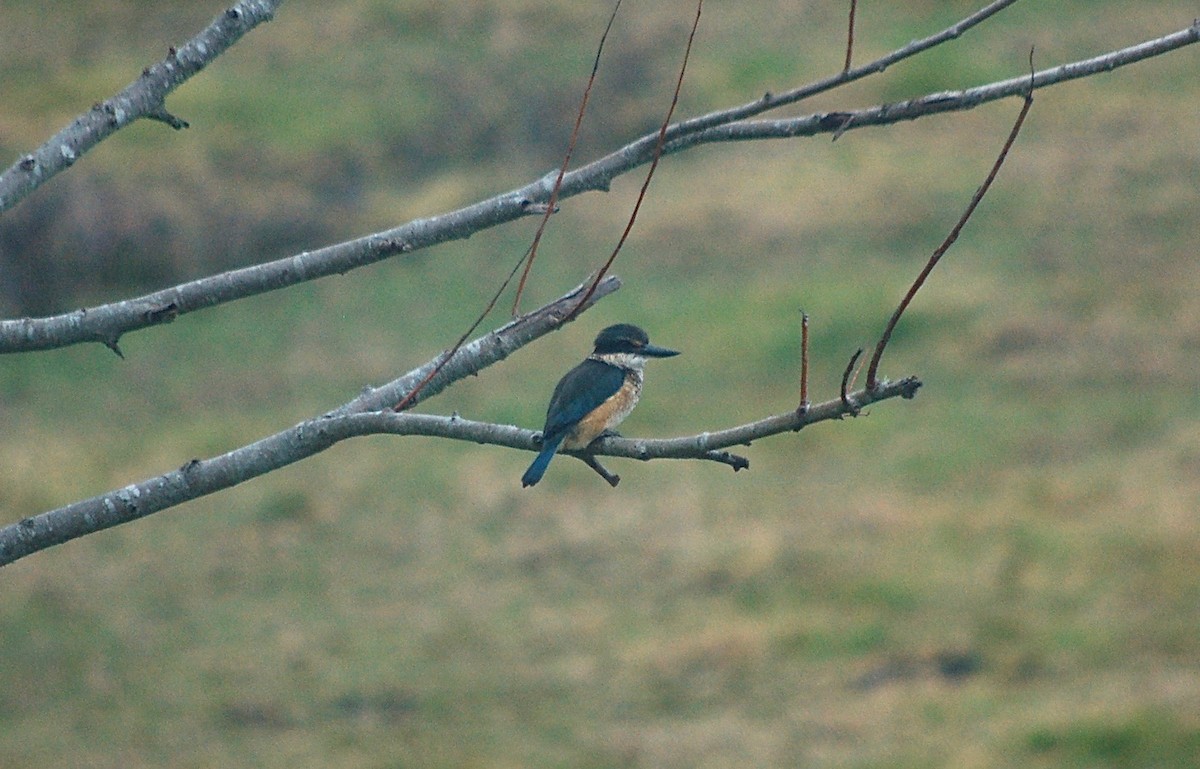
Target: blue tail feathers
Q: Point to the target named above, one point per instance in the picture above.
(538, 468)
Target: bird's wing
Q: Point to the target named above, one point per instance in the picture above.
(578, 393)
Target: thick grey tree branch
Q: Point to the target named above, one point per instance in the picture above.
(143, 98)
(199, 478)
(108, 322)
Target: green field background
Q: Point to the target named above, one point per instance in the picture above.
(1004, 572)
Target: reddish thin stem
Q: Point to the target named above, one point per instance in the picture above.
(804, 360)
(552, 204)
(528, 257)
(412, 394)
(850, 36)
(662, 135)
(873, 369)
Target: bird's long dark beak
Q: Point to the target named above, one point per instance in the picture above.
(654, 351)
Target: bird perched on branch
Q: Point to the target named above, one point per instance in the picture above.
(595, 396)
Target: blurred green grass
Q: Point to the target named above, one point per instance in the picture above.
(1002, 572)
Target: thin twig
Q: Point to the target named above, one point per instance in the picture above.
(662, 134)
(846, 375)
(803, 362)
(771, 101)
(591, 461)
(873, 368)
(551, 205)
(850, 37)
(410, 398)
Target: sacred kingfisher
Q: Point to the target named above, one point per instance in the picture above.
(596, 395)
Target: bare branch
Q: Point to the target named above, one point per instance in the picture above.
(935, 103)
(198, 478)
(472, 358)
(369, 415)
(707, 445)
(611, 478)
(143, 98)
(702, 445)
(108, 322)
(640, 150)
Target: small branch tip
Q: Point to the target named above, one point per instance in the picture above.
(612, 478)
(850, 407)
(162, 116)
(803, 361)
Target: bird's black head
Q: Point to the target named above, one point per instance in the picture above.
(625, 338)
